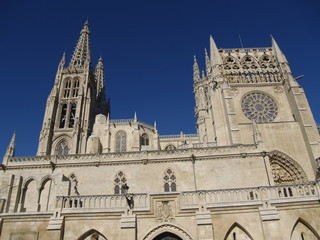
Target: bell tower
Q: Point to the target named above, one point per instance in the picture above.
(249, 96)
(77, 96)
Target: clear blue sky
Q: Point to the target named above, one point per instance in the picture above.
(148, 49)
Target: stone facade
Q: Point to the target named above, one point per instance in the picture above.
(250, 172)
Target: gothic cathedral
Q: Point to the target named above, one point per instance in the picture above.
(251, 172)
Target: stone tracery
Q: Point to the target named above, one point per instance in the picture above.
(285, 170)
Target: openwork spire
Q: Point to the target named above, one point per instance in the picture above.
(99, 74)
(81, 54)
(196, 72)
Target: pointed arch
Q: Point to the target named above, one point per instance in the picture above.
(167, 228)
(248, 59)
(92, 234)
(230, 60)
(47, 194)
(45, 179)
(169, 179)
(119, 180)
(29, 197)
(302, 230)
(285, 170)
(121, 141)
(61, 145)
(237, 232)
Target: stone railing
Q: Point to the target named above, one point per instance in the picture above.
(195, 199)
(125, 121)
(179, 136)
(245, 50)
(231, 197)
(108, 202)
(198, 145)
(122, 120)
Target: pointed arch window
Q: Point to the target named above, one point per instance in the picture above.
(67, 89)
(75, 88)
(62, 148)
(119, 181)
(169, 181)
(63, 115)
(121, 141)
(144, 140)
(72, 115)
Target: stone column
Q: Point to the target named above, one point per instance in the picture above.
(204, 224)
(128, 226)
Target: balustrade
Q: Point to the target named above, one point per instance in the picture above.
(250, 195)
(141, 201)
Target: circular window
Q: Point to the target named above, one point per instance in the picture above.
(259, 107)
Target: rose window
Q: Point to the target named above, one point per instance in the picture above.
(259, 107)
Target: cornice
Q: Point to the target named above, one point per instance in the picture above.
(126, 158)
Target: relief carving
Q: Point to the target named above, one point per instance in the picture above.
(165, 212)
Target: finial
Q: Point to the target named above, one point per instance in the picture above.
(108, 119)
(135, 117)
(155, 124)
(196, 72)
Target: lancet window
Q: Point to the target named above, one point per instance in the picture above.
(121, 141)
(75, 88)
(67, 89)
(64, 109)
(72, 115)
(169, 181)
(62, 148)
(144, 140)
(68, 107)
(119, 181)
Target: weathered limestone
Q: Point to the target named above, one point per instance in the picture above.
(250, 171)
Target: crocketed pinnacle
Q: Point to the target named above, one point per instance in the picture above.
(11, 147)
(208, 63)
(99, 74)
(196, 72)
(81, 55)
